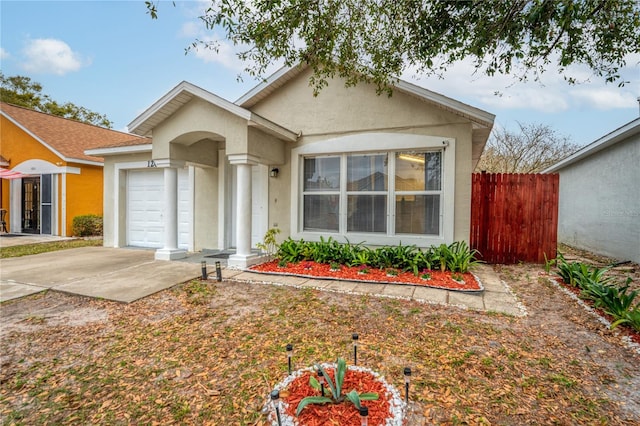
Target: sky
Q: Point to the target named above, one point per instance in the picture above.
(112, 58)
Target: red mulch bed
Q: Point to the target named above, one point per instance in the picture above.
(344, 414)
(622, 328)
(311, 269)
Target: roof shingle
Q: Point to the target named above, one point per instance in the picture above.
(69, 138)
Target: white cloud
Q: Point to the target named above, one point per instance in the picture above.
(3, 53)
(551, 94)
(51, 56)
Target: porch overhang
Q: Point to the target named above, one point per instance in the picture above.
(185, 92)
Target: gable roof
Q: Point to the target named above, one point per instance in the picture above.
(66, 138)
(284, 74)
(618, 135)
(482, 121)
(183, 93)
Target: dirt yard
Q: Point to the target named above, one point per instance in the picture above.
(209, 353)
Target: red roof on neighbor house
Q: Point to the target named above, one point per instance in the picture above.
(69, 138)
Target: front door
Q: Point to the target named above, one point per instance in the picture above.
(31, 205)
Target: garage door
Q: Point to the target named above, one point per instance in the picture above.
(145, 195)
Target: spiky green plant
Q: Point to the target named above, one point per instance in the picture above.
(335, 388)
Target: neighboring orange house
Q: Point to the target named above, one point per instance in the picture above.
(53, 181)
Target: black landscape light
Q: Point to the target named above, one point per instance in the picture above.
(364, 415)
(275, 396)
(218, 272)
(289, 355)
(203, 264)
(354, 336)
(321, 380)
(407, 379)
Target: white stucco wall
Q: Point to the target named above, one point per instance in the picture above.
(599, 205)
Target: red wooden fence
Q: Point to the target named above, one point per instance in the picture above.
(514, 217)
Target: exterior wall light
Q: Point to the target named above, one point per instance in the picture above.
(274, 172)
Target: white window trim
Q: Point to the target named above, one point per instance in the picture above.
(378, 142)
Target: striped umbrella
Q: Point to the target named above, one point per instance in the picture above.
(10, 174)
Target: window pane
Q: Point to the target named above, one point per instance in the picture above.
(433, 170)
(418, 214)
(367, 213)
(321, 212)
(367, 172)
(322, 173)
(418, 171)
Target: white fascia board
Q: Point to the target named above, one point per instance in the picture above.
(133, 149)
(87, 162)
(185, 86)
(480, 116)
(264, 84)
(606, 141)
(27, 131)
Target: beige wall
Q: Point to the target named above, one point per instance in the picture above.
(206, 208)
(340, 111)
(199, 132)
(115, 202)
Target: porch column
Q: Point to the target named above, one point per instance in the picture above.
(243, 256)
(170, 250)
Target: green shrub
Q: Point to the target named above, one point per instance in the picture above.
(87, 225)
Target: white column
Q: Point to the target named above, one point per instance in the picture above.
(243, 212)
(243, 256)
(170, 250)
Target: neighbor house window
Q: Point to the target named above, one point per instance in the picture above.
(388, 193)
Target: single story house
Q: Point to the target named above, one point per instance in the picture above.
(599, 200)
(347, 163)
(46, 178)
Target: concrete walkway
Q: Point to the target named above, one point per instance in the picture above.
(128, 274)
(496, 297)
(122, 275)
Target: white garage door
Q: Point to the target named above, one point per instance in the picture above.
(145, 195)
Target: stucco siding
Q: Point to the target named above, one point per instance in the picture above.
(205, 208)
(200, 116)
(339, 111)
(115, 201)
(76, 194)
(86, 189)
(599, 202)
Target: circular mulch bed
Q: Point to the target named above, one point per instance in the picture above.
(388, 410)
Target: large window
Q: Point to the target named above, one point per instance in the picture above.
(367, 193)
(321, 196)
(386, 193)
(417, 195)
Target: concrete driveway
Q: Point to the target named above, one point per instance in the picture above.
(122, 275)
